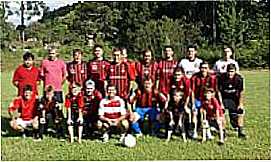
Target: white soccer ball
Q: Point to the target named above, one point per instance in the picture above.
(129, 141)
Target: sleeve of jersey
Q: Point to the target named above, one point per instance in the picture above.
(101, 108)
(158, 71)
(14, 105)
(241, 84)
(64, 70)
(16, 75)
(132, 71)
(122, 107)
(81, 102)
(192, 82)
(67, 102)
(217, 105)
(68, 72)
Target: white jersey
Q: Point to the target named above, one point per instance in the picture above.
(190, 67)
(221, 65)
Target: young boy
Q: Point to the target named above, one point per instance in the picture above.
(26, 112)
(48, 107)
(211, 115)
(74, 103)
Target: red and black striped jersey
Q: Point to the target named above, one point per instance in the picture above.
(92, 102)
(184, 85)
(77, 73)
(74, 102)
(144, 70)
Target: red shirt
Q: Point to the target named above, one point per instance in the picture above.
(27, 108)
(92, 102)
(131, 68)
(77, 73)
(26, 76)
(119, 76)
(145, 71)
(182, 85)
(147, 99)
(53, 73)
(112, 108)
(199, 83)
(211, 106)
(74, 102)
(165, 74)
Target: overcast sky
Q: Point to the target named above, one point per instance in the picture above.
(52, 4)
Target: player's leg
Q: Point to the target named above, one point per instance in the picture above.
(240, 123)
(80, 132)
(35, 125)
(103, 128)
(153, 115)
(181, 125)
(71, 125)
(124, 127)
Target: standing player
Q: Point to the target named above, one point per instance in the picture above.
(26, 74)
(211, 115)
(112, 114)
(200, 81)
(25, 106)
(92, 98)
(53, 72)
(191, 63)
(231, 86)
(74, 102)
(97, 68)
(146, 68)
(148, 102)
(77, 69)
(221, 65)
(165, 70)
(130, 63)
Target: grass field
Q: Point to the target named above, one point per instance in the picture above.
(257, 146)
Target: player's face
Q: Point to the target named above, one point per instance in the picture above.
(148, 85)
(52, 54)
(168, 53)
(177, 96)
(29, 62)
(117, 56)
(147, 57)
(77, 56)
(208, 95)
(90, 90)
(98, 52)
(75, 90)
(111, 91)
(231, 73)
(50, 95)
(204, 69)
(227, 53)
(27, 95)
(191, 53)
(178, 75)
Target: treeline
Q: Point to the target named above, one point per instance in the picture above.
(136, 25)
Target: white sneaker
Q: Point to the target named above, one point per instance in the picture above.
(209, 135)
(105, 137)
(122, 136)
(195, 135)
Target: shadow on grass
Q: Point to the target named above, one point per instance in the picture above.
(6, 130)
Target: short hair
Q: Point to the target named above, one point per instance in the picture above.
(168, 46)
(148, 78)
(203, 63)
(97, 46)
(77, 51)
(228, 46)
(116, 49)
(28, 55)
(178, 69)
(52, 48)
(146, 51)
(192, 46)
(177, 91)
(209, 90)
(110, 85)
(89, 83)
(74, 85)
(49, 88)
(231, 66)
(27, 88)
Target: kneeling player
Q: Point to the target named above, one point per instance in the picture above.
(112, 114)
(92, 98)
(175, 114)
(211, 116)
(27, 115)
(75, 103)
(49, 108)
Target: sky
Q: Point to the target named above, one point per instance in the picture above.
(52, 4)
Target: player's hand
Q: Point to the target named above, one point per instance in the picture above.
(42, 120)
(69, 121)
(205, 124)
(80, 120)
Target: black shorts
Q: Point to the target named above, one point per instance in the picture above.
(231, 105)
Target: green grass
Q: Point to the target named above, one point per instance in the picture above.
(257, 146)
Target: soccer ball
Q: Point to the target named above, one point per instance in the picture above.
(129, 141)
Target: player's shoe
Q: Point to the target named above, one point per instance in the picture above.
(241, 134)
(195, 135)
(209, 135)
(105, 137)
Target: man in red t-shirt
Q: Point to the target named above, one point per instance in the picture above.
(26, 116)
(112, 113)
(211, 115)
(77, 69)
(146, 68)
(92, 98)
(74, 103)
(165, 70)
(26, 74)
(130, 63)
(97, 68)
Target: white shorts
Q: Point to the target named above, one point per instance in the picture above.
(24, 123)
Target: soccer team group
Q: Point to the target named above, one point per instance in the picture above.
(187, 98)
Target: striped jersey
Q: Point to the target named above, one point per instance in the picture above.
(77, 72)
(112, 108)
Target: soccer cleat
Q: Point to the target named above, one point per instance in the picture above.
(209, 135)
(195, 135)
(122, 136)
(221, 142)
(241, 134)
(23, 135)
(37, 139)
(105, 137)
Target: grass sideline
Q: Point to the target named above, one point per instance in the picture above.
(257, 146)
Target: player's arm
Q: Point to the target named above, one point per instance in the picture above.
(218, 88)
(81, 105)
(15, 79)
(101, 112)
(64, 73)
(202, 114)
